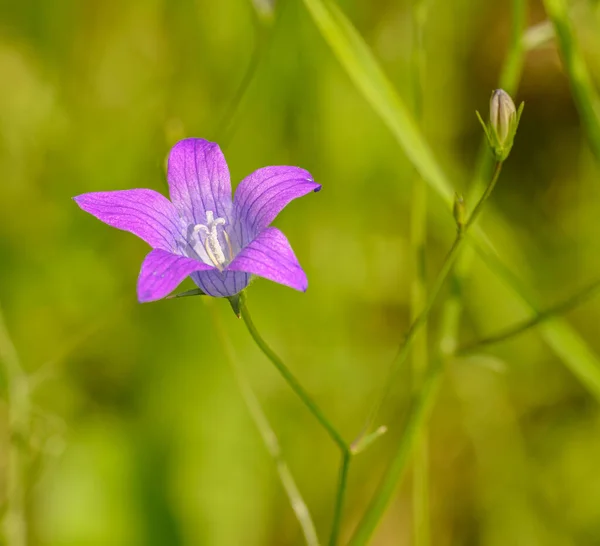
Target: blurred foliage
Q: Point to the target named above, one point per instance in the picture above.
(139, 432)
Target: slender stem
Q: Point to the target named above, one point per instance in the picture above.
(369, 79)
(418, 237)
(340, 496)
(558, 334)
(421, 320)
(417, 417)
(510, 76)
(390, 480)
(267, 434)
(15, 522)
(559, 309)
(289, 377)
(314, 409)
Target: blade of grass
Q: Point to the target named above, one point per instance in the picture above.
(586, 97)
(418, 243)
(365, 73)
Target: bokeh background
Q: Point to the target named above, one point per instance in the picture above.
(139, 434)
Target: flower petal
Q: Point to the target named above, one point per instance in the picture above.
(145, 213)
(221, 284)
(199, 180)
(271, 256)
(263, 194)
(162, 272)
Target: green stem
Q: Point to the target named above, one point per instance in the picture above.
(389, 483)
(559, 309)
(289, 377)
(369, 79)
(340, 496)
(410, 436)
(509, 81)
(313, 408)
(421, 320)
(267, 434)
(558, 334)
(418, 238)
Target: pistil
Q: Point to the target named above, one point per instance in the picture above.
(212, 245)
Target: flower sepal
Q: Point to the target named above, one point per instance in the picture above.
(187, 293)
(502, 125)
(236, 303)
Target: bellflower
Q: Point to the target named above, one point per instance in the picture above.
(201, 232)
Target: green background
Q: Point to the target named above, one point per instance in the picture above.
(139, 434)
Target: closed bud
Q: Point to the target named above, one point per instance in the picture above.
(502, 114)
(503, 123)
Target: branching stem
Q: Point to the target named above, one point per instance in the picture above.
(419, 411)
(513, 331)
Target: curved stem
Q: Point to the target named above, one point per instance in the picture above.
(559, 309)
(421, 320)
(313, 408)
(425, 399)
(558, 334)
(267, 434)
(289, 377)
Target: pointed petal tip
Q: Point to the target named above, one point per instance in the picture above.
(145, 297)
(304, 286)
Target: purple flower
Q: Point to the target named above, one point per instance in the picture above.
(201, 232)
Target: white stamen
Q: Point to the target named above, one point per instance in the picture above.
(211, 242)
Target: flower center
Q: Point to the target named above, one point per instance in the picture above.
(212, 245)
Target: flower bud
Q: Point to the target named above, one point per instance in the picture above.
(503, 123)
(459, 211)
(502, 114)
